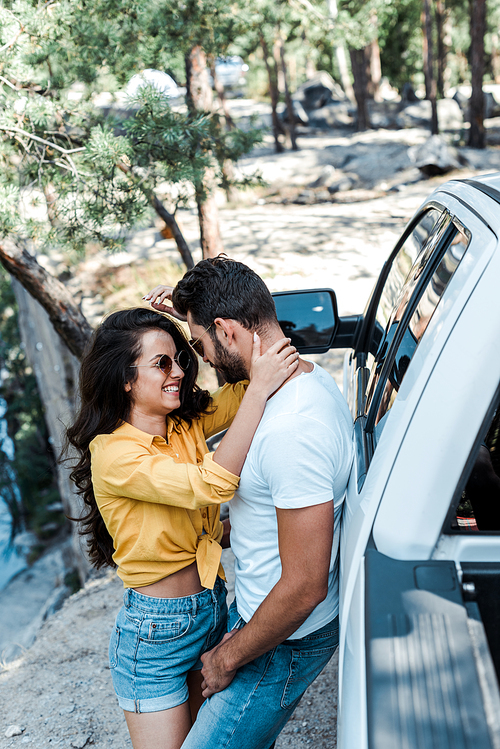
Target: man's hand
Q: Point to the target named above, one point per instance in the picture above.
(157, 297)
(215, 676)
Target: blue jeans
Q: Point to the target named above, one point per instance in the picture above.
(252, 710)
(156, 642)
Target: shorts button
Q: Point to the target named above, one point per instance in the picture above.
(153, 626)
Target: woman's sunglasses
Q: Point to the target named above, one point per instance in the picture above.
(165, 362)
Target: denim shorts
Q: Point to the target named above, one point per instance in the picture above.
(156, 642)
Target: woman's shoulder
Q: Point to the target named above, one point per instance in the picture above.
(229, 392)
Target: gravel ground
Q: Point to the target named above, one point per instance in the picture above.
(59, 692)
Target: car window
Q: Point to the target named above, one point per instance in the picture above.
(425, 304)
(401, 266)
(406, 270)
(479, 503)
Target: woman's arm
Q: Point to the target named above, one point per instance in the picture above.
(123, 468)
(225, 403)
(268, 372)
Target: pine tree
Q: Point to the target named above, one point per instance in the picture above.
(84, 175)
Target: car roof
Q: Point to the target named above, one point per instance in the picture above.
(480, 194)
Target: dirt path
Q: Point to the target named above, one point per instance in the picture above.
(59, 693)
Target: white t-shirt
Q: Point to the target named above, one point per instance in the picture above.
(300, 456)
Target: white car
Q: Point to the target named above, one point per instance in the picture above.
(420, 545)
(231, 71)
(163, 82)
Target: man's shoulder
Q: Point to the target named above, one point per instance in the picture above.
(317, 393)
(310, 401)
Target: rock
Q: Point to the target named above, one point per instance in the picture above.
(335, 114)
(67, 710)
(408, 94)
(299, 113)
(55, 507)
(491, 108)
(461, 97)
(401, 179)
(493, 89)
(81, 740)
(29, 599)
(325, 178)
(387, 92)
(419, 114)
(13, 731)
(450, 115)
(373, 165)
(341, 184)
(306, 197)
(318, 91)
(435, 156)
(322, 196)
(383, 114)
(25, 541)
(491, 92)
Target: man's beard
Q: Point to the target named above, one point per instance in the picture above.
(231, 365)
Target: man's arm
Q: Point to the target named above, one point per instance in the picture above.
(305, 538)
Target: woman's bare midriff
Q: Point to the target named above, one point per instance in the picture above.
(185, 582)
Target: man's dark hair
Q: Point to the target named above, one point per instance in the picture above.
(220, 287)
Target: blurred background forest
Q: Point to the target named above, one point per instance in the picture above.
(115, 116)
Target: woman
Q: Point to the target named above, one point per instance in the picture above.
(153, 493)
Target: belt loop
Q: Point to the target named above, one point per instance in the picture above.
(126, 598)
(194, 604)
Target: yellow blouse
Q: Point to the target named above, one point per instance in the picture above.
(160, 499)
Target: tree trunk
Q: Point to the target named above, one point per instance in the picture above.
(55, 334)
(430, 80)
(358, 65)
(208, 215)
(177, 235)
(345, 78)
(477, 137)
(199, 93)
(168, 217)
(64, 314)
(56, 371)
(199, 98)
(227, 167)
(288, 99)
(274, 94)
(375, 67)
(340, 54)
(441, 47)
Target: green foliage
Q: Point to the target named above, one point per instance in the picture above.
(28, 481)
(400, 40)
(359, 21)
(69, 173)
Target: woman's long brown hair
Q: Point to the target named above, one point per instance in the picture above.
(104, 404)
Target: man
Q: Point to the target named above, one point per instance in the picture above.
(285, 518)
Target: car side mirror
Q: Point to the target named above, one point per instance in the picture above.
(310, 318)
